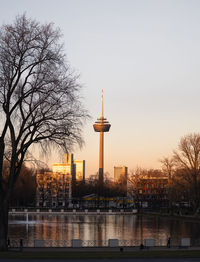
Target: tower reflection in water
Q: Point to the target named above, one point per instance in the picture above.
(100, 228)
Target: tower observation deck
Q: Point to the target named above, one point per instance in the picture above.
(101, 126)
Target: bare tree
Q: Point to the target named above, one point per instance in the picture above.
(136, 185)
(168, 167)
(25, 188)
(39, 100)
(187, 161)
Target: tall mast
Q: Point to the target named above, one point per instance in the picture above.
(102, 104)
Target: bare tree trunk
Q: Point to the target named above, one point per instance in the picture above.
(2, 148)
(3, 204)
(3, 224)
(170, 198)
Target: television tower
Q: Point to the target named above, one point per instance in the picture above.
(101, 125)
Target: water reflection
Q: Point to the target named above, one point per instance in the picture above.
(101, 228)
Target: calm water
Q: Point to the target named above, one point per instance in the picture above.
(100, 228)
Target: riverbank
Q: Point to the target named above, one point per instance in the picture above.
(190, 218)
(94, 253)
(100, 212)
(73, 211)
(195, 218)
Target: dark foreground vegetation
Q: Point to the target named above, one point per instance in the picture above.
(115, 253)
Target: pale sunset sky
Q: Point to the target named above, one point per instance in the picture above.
(145, 55)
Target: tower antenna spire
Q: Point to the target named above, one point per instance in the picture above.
(102, 104)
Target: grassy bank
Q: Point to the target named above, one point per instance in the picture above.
(113, 255)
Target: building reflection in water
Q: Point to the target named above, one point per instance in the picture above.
(100, 228)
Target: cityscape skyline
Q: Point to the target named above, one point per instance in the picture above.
(145, 55)
(55, 60)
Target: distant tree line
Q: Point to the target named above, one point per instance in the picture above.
(183, 170)
(24, 191)
(91, 186)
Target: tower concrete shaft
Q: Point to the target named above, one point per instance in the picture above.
(101, 126)
(101, 158)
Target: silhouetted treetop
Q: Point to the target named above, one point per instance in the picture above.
(39, 99)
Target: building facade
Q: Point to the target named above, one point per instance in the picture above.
(151, 191)
(70, 166)
(56, 188)
(53, 189)
(121, 177)
(120, 174)
(80, 170)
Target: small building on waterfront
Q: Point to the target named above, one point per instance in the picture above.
(150, 190)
